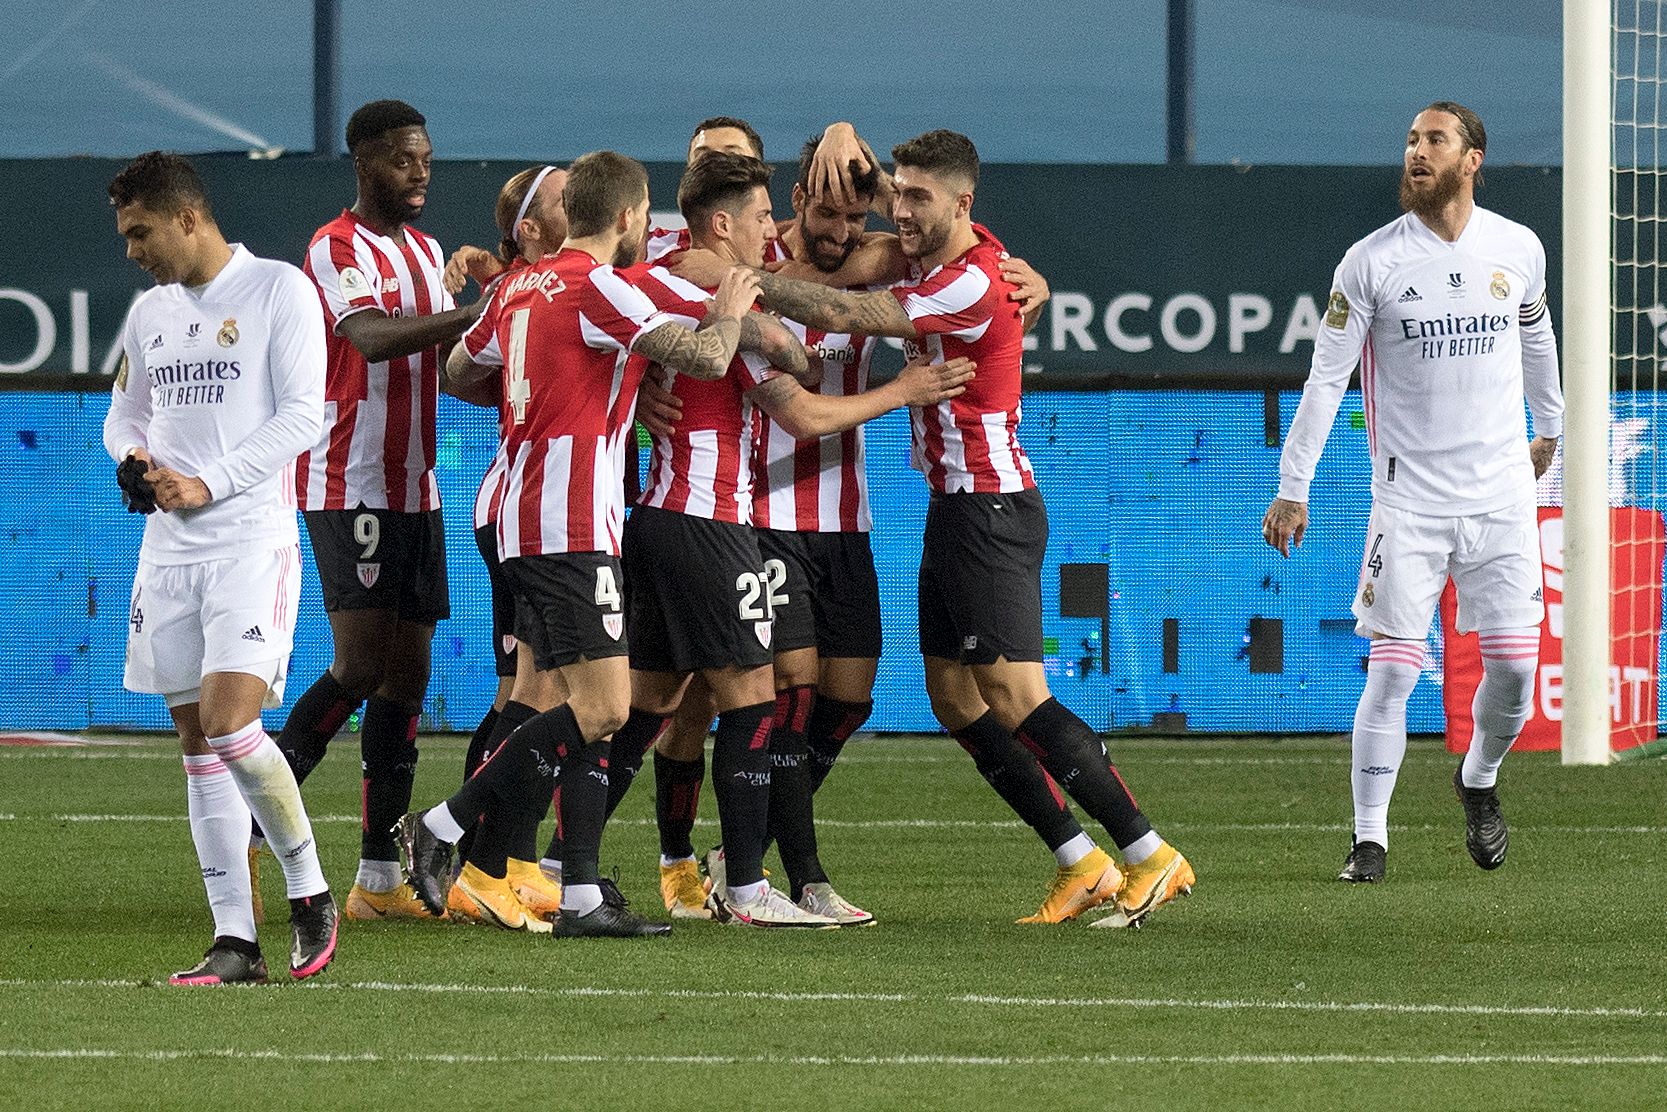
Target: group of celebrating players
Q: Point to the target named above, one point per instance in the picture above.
(741, 587)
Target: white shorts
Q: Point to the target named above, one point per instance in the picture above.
(234, 615)
(1493, 559)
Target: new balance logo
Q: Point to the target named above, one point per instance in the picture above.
(253, 634)
(1410, 295)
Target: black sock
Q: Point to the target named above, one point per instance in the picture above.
(316, 718)
(516, 776)
(505, 722)
(583, 802)
(388, 751)
(1013, 772)
(676, 799)
(792, 817)
(480, 743)
(741, 783)
(510, 826)
(1075, 756)
(631, 744)
(832, 723)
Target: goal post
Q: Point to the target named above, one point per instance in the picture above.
(1587, 333)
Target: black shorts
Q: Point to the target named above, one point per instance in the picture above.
(696, 595)
(503, 601)
(981, 577)
(568, 605)
(823, 592)
(381, 560)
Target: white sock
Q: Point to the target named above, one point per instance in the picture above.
(1510, 659)
(551, 868)
(747, 893)
(268, 787)
(440, 823)
(378, 876)
(1141, 848)
(668, 862)
(1380, 734)
(582, 898)
(1069, 853)
(220, 829)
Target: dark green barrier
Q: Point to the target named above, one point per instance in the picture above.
(1176, 275)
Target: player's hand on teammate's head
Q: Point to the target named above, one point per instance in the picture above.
(698, 265)
(830, 167)
(1284, 524)
(736, 292)
(137, 494)
(470, 262)
(657, 408)
(1542, 450)
(930, 383)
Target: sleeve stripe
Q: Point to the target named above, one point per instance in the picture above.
(957, 296)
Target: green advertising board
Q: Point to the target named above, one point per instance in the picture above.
(1161, 275)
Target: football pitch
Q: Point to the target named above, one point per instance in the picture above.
(1540, 986)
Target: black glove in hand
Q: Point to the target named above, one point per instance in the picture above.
(138, 495)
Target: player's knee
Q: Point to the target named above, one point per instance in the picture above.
(359, 676)
(599, 712)
(685, 740)
(1510, 682)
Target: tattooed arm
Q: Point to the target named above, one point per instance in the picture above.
(706, 352)
(703, 354)
(770, 338)
(873, 314)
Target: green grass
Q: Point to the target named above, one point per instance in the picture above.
(1231, 999)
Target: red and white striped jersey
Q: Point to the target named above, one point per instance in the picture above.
(486, 497)
(971, 442)
(562, 331)
(704, 468)
(818, 485)
(377, 450)
(669, 241)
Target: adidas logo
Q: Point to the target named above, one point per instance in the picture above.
(1410, 295)
(1538, 595)
(253, 634)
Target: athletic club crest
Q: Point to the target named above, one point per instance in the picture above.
(761, 630)
(369, 573)
(509, 644)
(613, 625)
(227, 335)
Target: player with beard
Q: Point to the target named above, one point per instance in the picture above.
(810, 509)
(1445, 311)
(564, 331)
(532, 223)
(367, 489)
(714, 617)
(986, 531)
(822, 698)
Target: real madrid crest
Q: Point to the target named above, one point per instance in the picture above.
(228, 332)
(1499, 287)
(1367, 595)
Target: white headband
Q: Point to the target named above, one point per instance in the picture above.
(526, 203)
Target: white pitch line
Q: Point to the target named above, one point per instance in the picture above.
(1524, 1011)
(906, 1060)
(937, 824)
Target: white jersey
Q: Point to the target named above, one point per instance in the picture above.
(225, 383)
(1449, 336)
